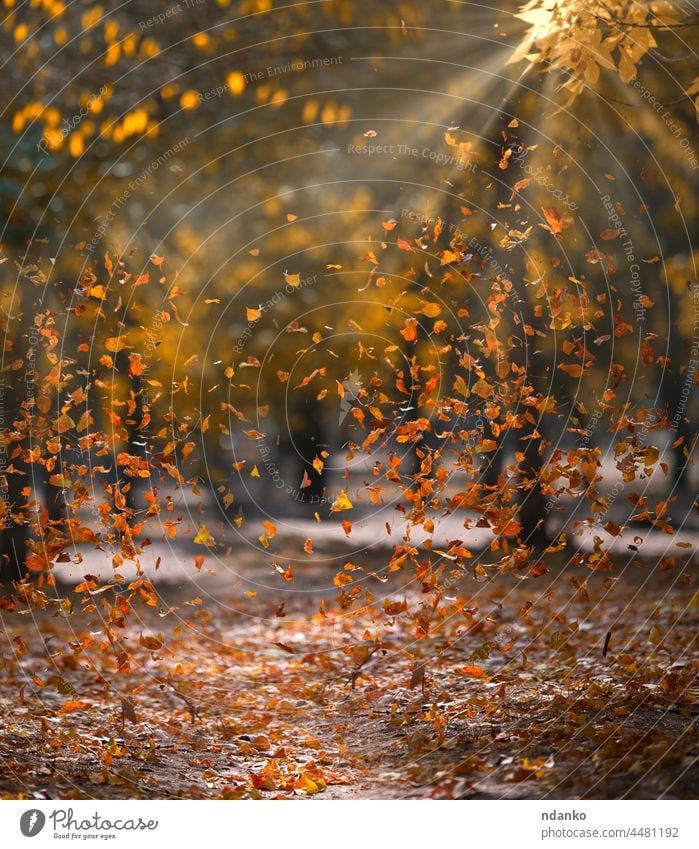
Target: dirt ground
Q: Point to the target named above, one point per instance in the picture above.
(571, 685)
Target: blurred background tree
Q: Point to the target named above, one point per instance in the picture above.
(271, 195)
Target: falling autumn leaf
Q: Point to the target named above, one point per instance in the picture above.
(203, 537)
(342, 502)
(555, 222)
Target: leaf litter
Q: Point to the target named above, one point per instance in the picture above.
(523, 691)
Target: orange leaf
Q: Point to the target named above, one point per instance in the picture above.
(73, 705)
(409, 332)
(115, 343)
(136, 365)
(473, 671)
(572, 370)
(556, 222)
(150, 643)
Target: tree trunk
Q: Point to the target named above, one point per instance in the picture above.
(130, 484)
(14, 534)
(13, 551)
(308, 442)
(529, 438)
(532, 503)
(677, 393)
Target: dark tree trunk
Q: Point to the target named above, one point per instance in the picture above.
(130, 484)
(529, 439)
(14, 532)
(677, 393)
(308, 442)
(532, 503)
(53, 497)
(13, 547)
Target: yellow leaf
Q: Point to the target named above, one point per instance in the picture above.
(342, 502)
(64, 423)
(591, 72)
(115, 343)
(627, 69)
(203, 537)
(447, 257)
(313, 785)
(483, 388)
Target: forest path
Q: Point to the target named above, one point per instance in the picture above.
(510, 694)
